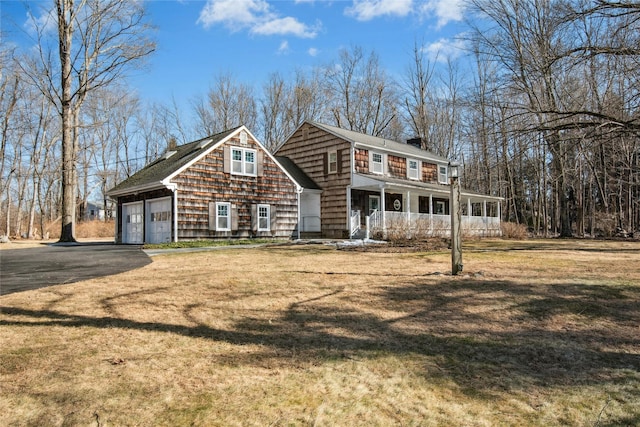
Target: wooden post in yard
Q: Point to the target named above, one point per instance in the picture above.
(456, 220)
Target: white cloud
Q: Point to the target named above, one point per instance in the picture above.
(232, 12)
(255, 15)
(280, 26)
(366, 10)
(47, 23)
(284, 48)
(313, 51)
(444, 11)
(444, 49)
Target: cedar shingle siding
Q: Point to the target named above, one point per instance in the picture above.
(206, 182)
(200, 173)
(308, 148)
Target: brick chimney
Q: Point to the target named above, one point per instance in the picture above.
(416, 142)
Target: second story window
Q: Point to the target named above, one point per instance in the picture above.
(413, 169)
(443, 175)
(332, 162)
(243, 161)
(376, 163)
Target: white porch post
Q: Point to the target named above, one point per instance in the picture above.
(431, 214)
(383, 209)
(349, 210)
(469, 212)
(484, 217)
(408, 214)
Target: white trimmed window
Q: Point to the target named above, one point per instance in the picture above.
(264, 218)
(243, 161)
(332, 162)
(377, 165)
(443, 175)
(223, 216)
(413, 169)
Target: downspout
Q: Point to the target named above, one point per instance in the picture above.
(298, 194)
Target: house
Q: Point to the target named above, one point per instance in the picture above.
(223, 186)
(92, 211)
(369, 180)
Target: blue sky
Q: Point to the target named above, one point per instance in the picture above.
(197, 40)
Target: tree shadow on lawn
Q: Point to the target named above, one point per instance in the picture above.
(487, 336)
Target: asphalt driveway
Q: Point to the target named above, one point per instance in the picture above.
(34, 268)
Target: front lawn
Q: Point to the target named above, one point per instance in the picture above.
(534, 333)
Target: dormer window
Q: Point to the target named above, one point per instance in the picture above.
(376, 165)
(413, 169)
(443, 175)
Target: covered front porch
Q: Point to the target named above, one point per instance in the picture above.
(383, 208)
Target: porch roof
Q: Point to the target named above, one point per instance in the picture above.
(374, 183)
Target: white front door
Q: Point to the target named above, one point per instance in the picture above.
(159, 220)
(132, 223)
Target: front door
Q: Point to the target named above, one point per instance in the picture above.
(159, 225)
(132, 223)
(374, 204)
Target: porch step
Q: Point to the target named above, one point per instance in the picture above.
(310, 235)
(360, 234)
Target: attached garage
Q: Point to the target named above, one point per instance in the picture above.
(158, 220)
(221, 187)
(132, 222)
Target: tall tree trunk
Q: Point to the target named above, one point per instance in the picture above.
(65, 30)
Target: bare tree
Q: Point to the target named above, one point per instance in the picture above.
(286, 105)
(230, 104)
(97, 42)
(362, 97)
(418, 87)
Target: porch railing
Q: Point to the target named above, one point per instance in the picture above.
(355, 222)
(431, 225)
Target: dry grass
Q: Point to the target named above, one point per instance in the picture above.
(537, 333)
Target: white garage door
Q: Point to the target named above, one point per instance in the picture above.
(132, 223)
(159, 221)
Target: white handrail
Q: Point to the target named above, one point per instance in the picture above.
(355, 222)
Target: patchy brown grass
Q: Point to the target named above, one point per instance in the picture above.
(536, 333)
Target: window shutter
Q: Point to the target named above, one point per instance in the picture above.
(234, 217)
(274, 221)
(212, 216)
(385, 164)
(325, 163)
(254, 218)
(339, 160)
(260, 165)
(227, 159)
